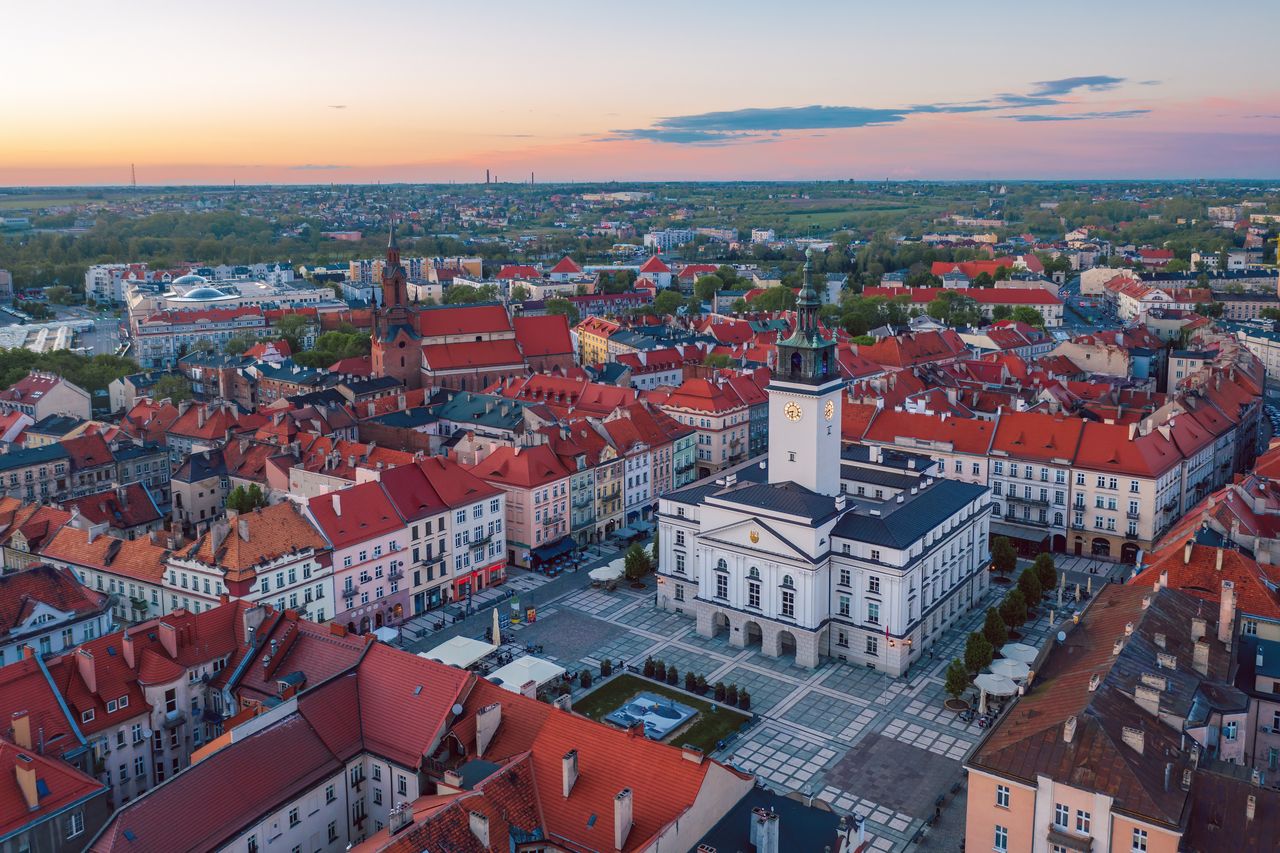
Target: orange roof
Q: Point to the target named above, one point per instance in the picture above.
(525, 467)
(1201, 574)
(258, 537)
(141, 558)
(965, 435)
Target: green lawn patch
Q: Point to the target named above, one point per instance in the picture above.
(705, 731)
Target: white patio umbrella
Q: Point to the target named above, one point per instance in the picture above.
(610, 572)
(995, 685)
(1020, 651)
(1010, 668)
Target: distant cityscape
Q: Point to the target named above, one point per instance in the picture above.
(846, 516)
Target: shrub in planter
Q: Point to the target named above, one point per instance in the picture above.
(606, 668)
(660, 671)
(701, 689)
(719, 691)
(585, 678)
(731, 695)
(648, 668)
(690, 682)
(744, 700)
(673, 676)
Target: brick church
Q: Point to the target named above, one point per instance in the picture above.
(461, 347)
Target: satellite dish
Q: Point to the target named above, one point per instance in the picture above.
(457, 709)
(146, 732)
(1062, 636)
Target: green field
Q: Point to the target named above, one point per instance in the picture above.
(707, 729)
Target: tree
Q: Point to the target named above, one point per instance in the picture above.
(636, 562)
(731, 695)
(606, 668)
(744, 700)
(673, 676)
(717, 359)
(739, 305)
(519, 293)
(707, 286)
(667, 301)
(1027, 314)
(1001, 312)
(702, 685)
(957, 678)
(237, 345)
(983, 279)
(241, 499)
(977, 653)
(172, 387)
(774, 299)
(718, 691)
(994, 629)
(565, 307)
(1029, 583)
(1002, 273)
(1013, 610)
(659, 670)
(584, 678)
(690, 681)
(1046, 571)
(293, 328)
(1003, 558)
(58, 294)
(460, 294)
(649, 668)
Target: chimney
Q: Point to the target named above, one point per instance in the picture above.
(337, 504)
(24, 769)
(21, 721)
(1227, 613)
(1069, 729)
(1200, 661)
(568, 771)
(487, 720)
(243, 527)
(621, 818)
(480, 828)
(1168, 775)
(126, 645)
(200, 416)
(1135, 739)
(88, 672)
(764, 830)
(1251, 807)
(1186, 551)
(1198, 628)
(1217, 562)
(1148, 699)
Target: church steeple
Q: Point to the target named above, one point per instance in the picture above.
(808, 355)
(395, 290)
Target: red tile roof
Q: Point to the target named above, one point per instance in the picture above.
(511, 271)
(63, 786)
(963, 435)
(463, 320)
(655, 264)
(702, 395)
(354, 514)
(1039, 436)
(472, 355)
(123, 508)
(1200, 574)
(525, 467)
(566, 266)
(22, 591)
(543, 336)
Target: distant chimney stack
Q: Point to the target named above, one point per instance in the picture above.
(1227, 613)
(764, 830)
(1069, 729)
(480, 828)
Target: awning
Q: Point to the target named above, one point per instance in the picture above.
(459, 651)
(1031, 532)
(521, 671)
(1020, 651)
(642, 526)
(550, 551)
(624, 532)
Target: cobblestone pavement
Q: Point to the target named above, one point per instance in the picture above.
(868, 745)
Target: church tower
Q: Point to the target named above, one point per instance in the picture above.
(396, 350)
(805, 402)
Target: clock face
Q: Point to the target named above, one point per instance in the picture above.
(829, 410)
(792, 411)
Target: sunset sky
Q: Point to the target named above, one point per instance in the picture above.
(392, 90)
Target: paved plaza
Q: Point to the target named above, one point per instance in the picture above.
(868, 745)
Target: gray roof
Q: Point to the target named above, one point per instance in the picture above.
(787, 498)
(904, 523)
(32, 456)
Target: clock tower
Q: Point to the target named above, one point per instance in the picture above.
(804, 402)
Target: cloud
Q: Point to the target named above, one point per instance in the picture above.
(1067, 85)
(724, 127)
(1079, 116)
(316, 167)
(337, 106)
(727, 127)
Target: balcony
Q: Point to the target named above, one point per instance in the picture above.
(1133, 515)
(395, 574)
(1025, 500)
(583, 501)
(1059, 837)
(348, 594)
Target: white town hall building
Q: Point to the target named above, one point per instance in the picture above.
(862, 555)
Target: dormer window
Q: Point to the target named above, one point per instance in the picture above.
(86, 716)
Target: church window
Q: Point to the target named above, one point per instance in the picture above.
(753, 573)
(721, 565)
(788, 582)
